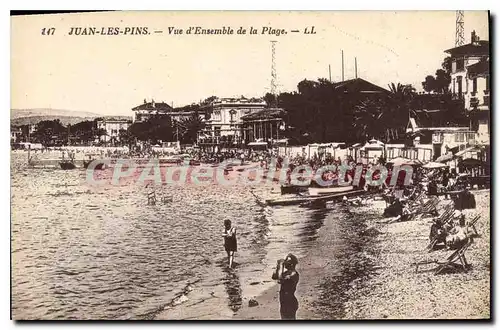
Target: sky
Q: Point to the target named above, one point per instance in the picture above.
(109, 75)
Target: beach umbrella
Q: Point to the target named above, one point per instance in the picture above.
(434, 165)
(399, 161)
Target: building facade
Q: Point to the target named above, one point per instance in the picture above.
(266, 125)
(470, 81)
(148, 110)
(112, 127)
(223, 119)
(430, 143)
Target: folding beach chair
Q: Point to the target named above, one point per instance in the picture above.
(456, 261)
(430, 207)
(457, 256)
(472, 224)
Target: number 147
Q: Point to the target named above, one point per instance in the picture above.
(48, 31)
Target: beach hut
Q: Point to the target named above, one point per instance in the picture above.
(373, 151)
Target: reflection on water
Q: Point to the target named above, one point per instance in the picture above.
(233, 289)
(100, 252)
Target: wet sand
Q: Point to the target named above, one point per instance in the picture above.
(380, 282)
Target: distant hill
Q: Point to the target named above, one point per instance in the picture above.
(18, 113)
(65, 120)
(34, 116)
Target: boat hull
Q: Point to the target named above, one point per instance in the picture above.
(329, 190)
(314, 199)
(67, 165)
(293, 189)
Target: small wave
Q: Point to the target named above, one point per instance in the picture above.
(179, 298)
(60, 193)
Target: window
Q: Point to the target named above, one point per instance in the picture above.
(474, 86)
(217, 115)
(459, 137)
(487, 83)
(459, 64)
(217, 130)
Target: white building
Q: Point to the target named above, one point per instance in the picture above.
(150, 109)
(224, 118)
(112, 127)
(442, 140)
(470, 81)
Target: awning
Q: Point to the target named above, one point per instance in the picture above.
(399, 161)
(434, 165)
(444, 158)
(257, 143)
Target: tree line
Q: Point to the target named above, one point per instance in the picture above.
(316, 112)
(155, 130)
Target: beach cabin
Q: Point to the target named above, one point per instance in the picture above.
(292, 151)
(372, 151)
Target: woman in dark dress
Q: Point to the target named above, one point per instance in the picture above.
(288, 277)
(230, 243)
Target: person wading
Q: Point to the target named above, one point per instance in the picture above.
(288, 277)
(230, 243)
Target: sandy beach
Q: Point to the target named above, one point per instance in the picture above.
(383, 283)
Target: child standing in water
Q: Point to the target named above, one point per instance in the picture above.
(230, 243)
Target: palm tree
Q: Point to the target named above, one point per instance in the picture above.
(189, 127)
(386, 118)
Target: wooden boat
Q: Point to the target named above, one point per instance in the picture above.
(67, 165)
(314, 199)
(329, 190)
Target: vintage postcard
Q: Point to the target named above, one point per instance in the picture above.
(250, 165)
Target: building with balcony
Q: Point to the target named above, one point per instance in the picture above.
(433, 142)
(223, 119)
(470, 81)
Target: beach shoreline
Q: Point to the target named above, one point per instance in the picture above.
(387, 286)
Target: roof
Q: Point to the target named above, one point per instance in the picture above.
(481, 68)
(257, 143)
(154, 106)
(358, 85)
(265, 114)
(481, 47)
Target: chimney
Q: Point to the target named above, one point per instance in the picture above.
(145, 101)
(153, 103)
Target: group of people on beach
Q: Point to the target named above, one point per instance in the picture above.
(285, 273)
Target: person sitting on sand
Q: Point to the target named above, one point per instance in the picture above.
(288, 279)
(230, 243)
